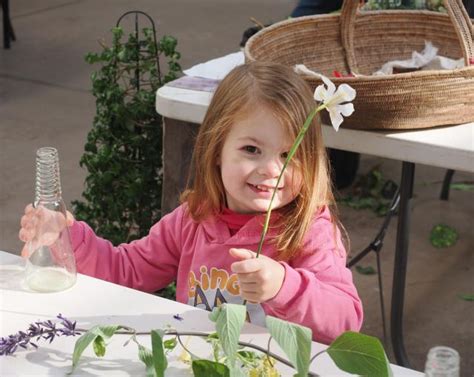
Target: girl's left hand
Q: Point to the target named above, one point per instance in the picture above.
(260, 279)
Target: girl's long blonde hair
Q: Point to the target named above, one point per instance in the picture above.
(288, 96)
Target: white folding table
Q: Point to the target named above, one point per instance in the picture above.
(91, 302)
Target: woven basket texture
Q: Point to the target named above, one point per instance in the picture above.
(361, 42)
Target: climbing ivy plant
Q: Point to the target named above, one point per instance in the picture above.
(122, 195)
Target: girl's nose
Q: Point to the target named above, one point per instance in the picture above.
(270, 167)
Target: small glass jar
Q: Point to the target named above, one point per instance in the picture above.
(442, 362)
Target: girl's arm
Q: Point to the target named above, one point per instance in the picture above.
(318, 291)
(147, 264)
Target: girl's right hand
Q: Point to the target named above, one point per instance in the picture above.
(41, 227)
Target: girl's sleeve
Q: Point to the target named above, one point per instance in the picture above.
(318, 291)
(147, 264)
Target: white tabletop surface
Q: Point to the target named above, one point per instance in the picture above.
(446, 147)
(90, 302)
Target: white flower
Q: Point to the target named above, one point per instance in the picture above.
(335, 100)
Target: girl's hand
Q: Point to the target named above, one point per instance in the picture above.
(260, 279)
(41, 227)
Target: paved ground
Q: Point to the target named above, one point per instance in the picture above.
(45, 100)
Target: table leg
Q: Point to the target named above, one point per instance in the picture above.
(400, 263)
(178, 145)
(448, 177)
(8, 33)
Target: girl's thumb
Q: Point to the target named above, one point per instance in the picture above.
(69, 218)
(242, 254)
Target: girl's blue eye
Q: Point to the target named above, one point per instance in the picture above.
(250, 149)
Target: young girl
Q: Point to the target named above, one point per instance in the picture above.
(208, 243)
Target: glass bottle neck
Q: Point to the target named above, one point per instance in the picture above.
(48, 184)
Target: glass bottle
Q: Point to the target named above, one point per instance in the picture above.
(50, 268)
(442, 362)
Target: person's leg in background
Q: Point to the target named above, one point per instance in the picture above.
(469, 5)
(308, 7)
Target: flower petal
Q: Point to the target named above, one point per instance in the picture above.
(330, 85)
(336, 118)
(346, 109)
(320, 94)
(301, 69)
(346, 92)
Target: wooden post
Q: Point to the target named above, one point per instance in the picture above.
(178, 146)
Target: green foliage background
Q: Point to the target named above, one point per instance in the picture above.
(123, 152)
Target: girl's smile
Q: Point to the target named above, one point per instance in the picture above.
(262, 189)
(252, 156)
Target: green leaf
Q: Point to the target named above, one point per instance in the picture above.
(105, 332)
(360, 354)
(99, 346)
(466, 297)
(159, 358)
(170, 344)
(369, 270)
(462, 186)
(207, 368)
(295, 340)
(443, 236)
(146, 356)
(229, 319)
(371, 191)
(248, 356)
(213, 335)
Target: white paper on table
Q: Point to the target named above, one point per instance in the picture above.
(218, 68)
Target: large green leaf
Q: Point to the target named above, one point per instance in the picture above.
(159, 358)
(99, 333)
(295, 340)
(208, 368)
(229, 319)
(360, 354)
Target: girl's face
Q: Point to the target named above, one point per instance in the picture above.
(251, 160)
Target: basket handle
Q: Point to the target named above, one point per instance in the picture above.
(463, 26)
(456, 11)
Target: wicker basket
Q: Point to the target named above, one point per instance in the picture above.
(361, 42)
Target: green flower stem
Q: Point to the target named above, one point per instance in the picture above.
(131, 331)
(316, 355)
(292, 152)
(294, 147)
(187, 350)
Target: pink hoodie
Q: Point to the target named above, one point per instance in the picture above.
(317, 291)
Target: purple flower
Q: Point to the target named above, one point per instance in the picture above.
(38, 330)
